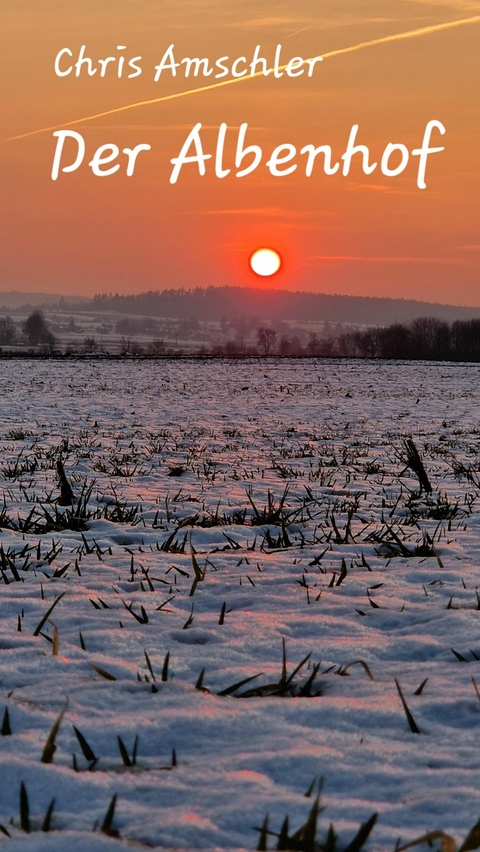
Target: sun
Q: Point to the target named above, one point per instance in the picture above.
(265, 262)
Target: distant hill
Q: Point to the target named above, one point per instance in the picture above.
(214, 303)
(12, 300)
(263, 305)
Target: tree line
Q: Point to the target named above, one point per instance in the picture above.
(426, 338)
(33, 332)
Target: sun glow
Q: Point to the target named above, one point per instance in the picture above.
(265, 262)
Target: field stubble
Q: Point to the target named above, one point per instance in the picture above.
(254, 588)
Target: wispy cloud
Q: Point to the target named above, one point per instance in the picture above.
(326, 23)
(377, 187)
(182, 127)
(253, 23)
(408, 259)
(343, 22)
(266, 212)
(457, 5)
(395, 37)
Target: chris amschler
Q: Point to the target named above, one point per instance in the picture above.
(120, 65)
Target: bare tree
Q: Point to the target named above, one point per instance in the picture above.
(36, 329)
(136, 348)
(369, 342)
(90, 344)
(156, 347)
(266, 338)
(48, 343)
(395, 341)
(348, 345)
(8, 331)
(125, 345)
(430, 337)
(313, 345)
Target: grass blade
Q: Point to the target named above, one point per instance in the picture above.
(102, 672)
(24, 809)
(331, 841)
(6, 729)
(283, 677)
(107, 822)
(123, 752)
(47, 822)
(55, 642)
(235, 686)
(47, 614)
(477, 690)
(283, 838)
(262, 840)
(297, 669)
(309, 830)
(411, 721)
(459, 657)
(362, 835)
(86, 750)
(149, 666)
(472, 840)
(361, 663)
(50, 747)
(165, 667)
(199, 683)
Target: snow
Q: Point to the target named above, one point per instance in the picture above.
(271, 451)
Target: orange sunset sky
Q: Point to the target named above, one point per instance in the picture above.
(357, 234)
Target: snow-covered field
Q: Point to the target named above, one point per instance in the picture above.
(223, 508)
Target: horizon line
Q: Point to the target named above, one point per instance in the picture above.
(251, 288)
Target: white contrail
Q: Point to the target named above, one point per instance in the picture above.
(434, 28)
(297, 32)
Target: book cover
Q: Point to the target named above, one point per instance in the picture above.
(239, 420)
